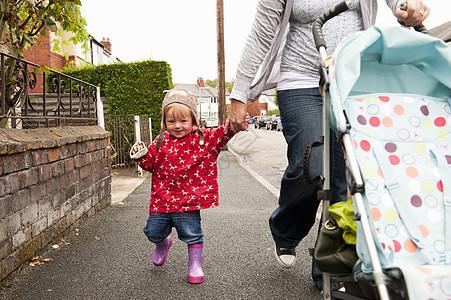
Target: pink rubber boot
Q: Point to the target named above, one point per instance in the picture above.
(160, 253)
(196, 275)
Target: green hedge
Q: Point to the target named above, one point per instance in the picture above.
(131, 88)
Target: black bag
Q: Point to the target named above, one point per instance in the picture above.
(331, 253)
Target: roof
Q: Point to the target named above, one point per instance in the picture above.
(203, 92)
(442, 32)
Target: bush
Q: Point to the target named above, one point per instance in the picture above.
(131, 88)
(273, 112)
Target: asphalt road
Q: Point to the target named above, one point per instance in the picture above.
(108, 257)
(263, 151)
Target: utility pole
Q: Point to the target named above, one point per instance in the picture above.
(221, 60)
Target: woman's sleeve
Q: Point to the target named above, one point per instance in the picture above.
(394, 4)
(267, 17)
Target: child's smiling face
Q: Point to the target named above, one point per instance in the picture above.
(179, 123)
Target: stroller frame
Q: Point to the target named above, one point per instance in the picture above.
(380, 276)
(324, 195)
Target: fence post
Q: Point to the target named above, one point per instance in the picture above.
(150, 129)
(137, 130)
(100, 114)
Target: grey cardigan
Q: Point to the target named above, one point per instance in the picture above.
(264, 45)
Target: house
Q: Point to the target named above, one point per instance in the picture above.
(207, 98)
(268, 97)
(99, 53)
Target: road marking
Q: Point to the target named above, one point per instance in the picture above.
(260, 179)
(265, 183)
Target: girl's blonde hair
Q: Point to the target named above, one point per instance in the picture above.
(179, 111)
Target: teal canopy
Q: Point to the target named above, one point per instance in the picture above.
(389, 60)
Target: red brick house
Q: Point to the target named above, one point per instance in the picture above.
(99, 53)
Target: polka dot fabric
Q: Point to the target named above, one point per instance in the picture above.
(428, 282)
(402, 118)
(405, 131)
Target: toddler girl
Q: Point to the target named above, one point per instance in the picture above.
(182, 160)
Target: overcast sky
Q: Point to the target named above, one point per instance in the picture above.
(183, 32)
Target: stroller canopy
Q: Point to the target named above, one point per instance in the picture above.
(389, 60)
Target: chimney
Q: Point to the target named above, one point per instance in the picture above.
(200, 82)
(107, 44)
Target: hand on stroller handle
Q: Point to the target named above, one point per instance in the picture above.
(420, 28)
(344, 6)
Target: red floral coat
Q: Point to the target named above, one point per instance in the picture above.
(184, 173)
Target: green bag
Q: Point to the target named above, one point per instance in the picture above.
(331, 253)
(342, 212)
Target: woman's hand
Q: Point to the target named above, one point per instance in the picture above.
(237, 116)
(227, 123)
(415, 14)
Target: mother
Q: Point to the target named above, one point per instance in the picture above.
(281, 45)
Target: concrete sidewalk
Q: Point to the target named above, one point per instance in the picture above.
(108, 257)
(123, 183)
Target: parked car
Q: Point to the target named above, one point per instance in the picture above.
(279, 124)
(211, 122)
(272, 124)
(261, 121)
(254, 120)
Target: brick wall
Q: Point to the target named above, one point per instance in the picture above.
(50, 180)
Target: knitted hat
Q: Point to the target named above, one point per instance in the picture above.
(179, 96)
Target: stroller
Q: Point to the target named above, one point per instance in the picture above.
(387, 94)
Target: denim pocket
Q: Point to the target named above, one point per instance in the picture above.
(154, 215)
(188, 214)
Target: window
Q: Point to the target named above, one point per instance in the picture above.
(79, 52)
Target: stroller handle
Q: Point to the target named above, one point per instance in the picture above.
(318, 24)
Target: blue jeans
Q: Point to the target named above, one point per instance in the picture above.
(187, 224)
(301, 114)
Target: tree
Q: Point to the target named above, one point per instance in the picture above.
(21, 21)
(212, 83)
(228, 84)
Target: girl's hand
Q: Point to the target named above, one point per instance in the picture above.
(248, 118)
(226, 126)
(137, 147)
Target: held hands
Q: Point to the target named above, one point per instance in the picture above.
(415, 14)
(237, 116)
(227, 123)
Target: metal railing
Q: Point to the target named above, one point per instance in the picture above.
(34, 96)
